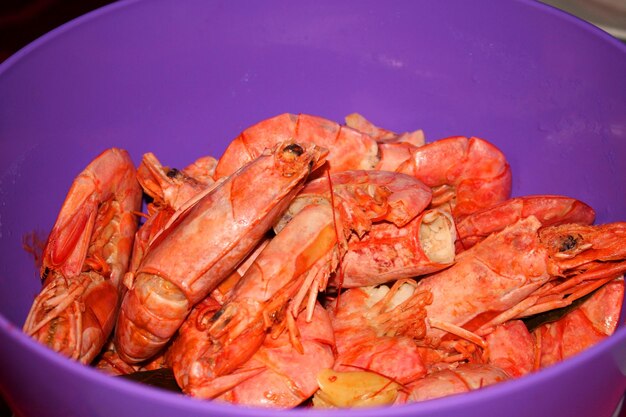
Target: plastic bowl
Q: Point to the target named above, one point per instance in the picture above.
(182, 79)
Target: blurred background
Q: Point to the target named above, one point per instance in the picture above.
(610, 15)
(22, 21)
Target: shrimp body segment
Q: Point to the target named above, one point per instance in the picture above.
(464, 378)
(382, 135)
(272, 289)
(374, 205)
(85, 258)
(393, 148)
(276, 375)
(348, 148)
(377, 332)
(466, 174)
(364, 197)
(593, 321)
(548, 209)
(170, 189)
(388, 252)
(376, 329)
(204, 243)
(511, 347)
(100, 205)
(288, 376)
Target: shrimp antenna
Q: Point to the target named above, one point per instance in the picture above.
(340, 263)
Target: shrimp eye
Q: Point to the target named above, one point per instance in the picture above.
(173, 173)
(569, 242)
(217, 315)
(294, 148)
(45, 273)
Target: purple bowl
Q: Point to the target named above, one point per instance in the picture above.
(181, 80)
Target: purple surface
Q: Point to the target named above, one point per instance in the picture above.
(181, 80)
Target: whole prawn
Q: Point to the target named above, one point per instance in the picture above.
(182, 266)
(522, 271)
(466, 174)
(85, 258)
(276, 375)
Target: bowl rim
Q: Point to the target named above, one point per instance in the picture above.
(185, 403)
(583, 24)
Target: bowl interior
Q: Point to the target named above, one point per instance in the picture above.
(182, 81)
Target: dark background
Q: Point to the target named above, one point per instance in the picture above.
(22, 21)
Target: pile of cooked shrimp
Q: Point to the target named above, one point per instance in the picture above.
(325, 265)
